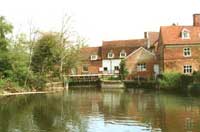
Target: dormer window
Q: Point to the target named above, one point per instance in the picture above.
(93, 57)
(185, 34)
(110, 54)
(122, 54)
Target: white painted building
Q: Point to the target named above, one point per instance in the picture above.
(111, 65)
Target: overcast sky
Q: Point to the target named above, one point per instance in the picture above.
(99, 20)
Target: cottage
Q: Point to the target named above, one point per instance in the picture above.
(114, 51)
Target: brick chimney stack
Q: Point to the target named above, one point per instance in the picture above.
(196, 20)
(146, 35)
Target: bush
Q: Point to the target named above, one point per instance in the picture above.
(196, 76)
(2, 83)
(169, 80)
(9, 85)
(195, 88)
(36, 82)
(185, 81)
(175, 81)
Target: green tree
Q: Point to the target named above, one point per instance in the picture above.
(5, 30)
(123, 70)
(18, 56)
(45, 54)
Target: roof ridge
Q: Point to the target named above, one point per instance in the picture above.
(123, 40)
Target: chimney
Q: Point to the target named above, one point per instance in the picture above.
(146, 35)
(196, 20)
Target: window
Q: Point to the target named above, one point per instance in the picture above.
(185, 34)
(85, 68)
(141, 67)
(122, 54)
(116, 68)
(93, 57)
(187, 69)
(105, 68)
(110, 54)
(187, 52)
(189, 123)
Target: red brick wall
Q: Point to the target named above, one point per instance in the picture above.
(93, 67)
(139, 58)
(174, 59)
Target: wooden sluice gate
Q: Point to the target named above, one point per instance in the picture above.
(93, 80)
(88, 80)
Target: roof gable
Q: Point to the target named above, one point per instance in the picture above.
(140, 49)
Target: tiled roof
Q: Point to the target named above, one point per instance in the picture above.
(118, 45)
(124, 43)
(172, 34)
(86, 52)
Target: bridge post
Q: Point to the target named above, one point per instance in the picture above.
(66, 82)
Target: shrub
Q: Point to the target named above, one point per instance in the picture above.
(185, 81)
(169, 80)
(196, 76)
(2, 83)
(37, 81)
(195, 88)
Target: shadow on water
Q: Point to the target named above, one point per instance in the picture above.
(93, 110)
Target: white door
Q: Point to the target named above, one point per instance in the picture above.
(156, 69)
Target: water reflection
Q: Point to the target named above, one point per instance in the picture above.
(96, 111)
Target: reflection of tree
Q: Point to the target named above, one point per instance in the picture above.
(52, 113)
(4, 120)
(68, 112)
(43, 117)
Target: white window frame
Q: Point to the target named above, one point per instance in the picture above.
(93, 57)
(141, 67)
(187, 52)
(109, 53)
(122, 52)
(187, 69)
(185, 35)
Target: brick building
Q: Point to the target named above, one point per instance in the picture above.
(179, 47)
(138, 53)
(141, 64)
(174, 48)
(91, 61)
(114, 51)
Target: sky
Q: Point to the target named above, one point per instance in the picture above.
(100, 20)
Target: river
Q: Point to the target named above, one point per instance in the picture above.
(93, 110)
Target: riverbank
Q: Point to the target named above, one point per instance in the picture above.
(52, 90)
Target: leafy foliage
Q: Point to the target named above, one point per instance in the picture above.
(5, 64)
(123, 70)
(169, 80)
(45, 54)
(31, 63)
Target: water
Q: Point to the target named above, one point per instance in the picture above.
(95, 111)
